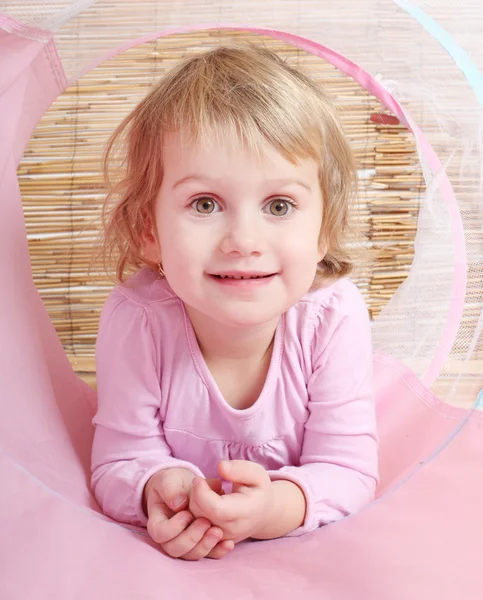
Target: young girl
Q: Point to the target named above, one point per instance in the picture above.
(235, 366)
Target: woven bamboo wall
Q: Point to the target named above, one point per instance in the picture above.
(62, 188)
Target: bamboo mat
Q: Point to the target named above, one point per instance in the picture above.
(62, 190)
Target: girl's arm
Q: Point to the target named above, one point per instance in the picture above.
(338, 470)
(129, 444)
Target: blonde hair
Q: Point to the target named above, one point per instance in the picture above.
(248, 92)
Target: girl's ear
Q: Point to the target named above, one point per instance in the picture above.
(149, 241)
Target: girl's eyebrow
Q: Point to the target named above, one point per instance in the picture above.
(204, 179)
(189, 178)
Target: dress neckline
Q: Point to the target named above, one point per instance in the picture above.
(208, 379)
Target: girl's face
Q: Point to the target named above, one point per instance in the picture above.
(238, 233)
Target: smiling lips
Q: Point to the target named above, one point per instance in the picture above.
(243, 275)
(242, 278)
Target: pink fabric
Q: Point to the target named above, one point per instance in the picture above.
(421, 539)
(159, 406)
(34, 370)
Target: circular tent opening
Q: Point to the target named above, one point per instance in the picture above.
(62, 194)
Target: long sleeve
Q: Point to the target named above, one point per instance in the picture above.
(338, 470)
(129, 443)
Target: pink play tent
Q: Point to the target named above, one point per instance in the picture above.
(423, 536)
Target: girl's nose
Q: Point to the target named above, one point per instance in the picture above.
(242, 237)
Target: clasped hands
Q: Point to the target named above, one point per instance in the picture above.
(191, 517)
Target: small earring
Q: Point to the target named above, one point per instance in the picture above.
(160, 269)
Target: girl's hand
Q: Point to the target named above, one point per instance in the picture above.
(180, 534)
(242, 513)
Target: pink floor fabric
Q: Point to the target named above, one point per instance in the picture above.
(422, 539)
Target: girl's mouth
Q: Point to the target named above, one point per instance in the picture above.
(245, 281)
(243, 276)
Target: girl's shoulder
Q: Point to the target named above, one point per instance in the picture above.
(339, 299)
(322, 312)
(335, 312)
(145, 288)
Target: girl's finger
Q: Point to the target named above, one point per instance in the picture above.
(174, 489)
(207, 544)
(204, 501)
(158, 513)
(157, 509)
(216, 508)
(163, 529)
(215, 485)
(221, 549)
(187, 539)
(244, 472)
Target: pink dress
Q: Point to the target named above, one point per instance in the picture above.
(159, 406)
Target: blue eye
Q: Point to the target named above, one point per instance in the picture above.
(204, 205)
